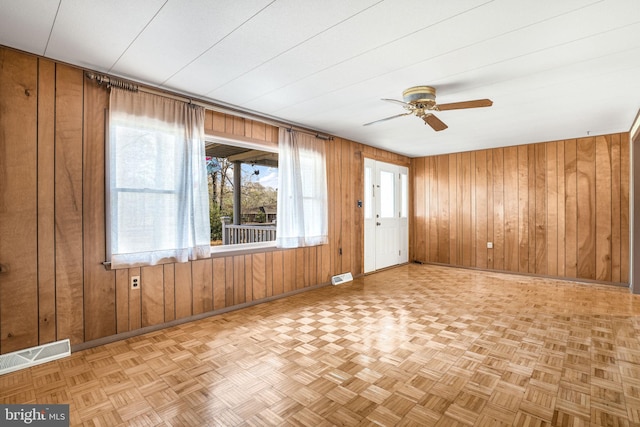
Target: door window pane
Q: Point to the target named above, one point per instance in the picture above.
(387, 195)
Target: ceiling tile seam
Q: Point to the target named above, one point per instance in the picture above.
(243, 23)
(295, 46)
(426, 60)
(53, 24)
(604, 73)
(137, 36)
(418, 62)
(361, 53)
(550, 48)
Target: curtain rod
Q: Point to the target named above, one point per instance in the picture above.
(109, 82)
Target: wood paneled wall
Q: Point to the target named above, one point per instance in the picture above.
(52, 231)
(558, 208)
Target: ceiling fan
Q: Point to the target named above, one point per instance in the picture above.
(421, 100)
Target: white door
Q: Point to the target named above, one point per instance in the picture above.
(386, 224)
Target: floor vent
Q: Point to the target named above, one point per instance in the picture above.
(341, 278)
(34, 356)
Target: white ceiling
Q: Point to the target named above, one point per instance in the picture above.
(554, 69)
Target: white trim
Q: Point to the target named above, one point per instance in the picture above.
(239, 143)
(243, 247)
(635, 127)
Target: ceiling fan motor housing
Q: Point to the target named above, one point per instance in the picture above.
(420, 95)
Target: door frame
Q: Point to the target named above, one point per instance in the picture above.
(374, 166)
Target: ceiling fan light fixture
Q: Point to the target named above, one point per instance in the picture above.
(420, 94)
(421, 100)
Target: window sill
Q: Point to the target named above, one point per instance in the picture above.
(242, 249)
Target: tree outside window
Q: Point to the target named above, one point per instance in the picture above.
(258, 194)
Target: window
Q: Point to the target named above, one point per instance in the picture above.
(156, 181)
(243, 208)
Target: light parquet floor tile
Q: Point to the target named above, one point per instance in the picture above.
(416, 345)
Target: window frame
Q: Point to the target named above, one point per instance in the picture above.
(241, 248)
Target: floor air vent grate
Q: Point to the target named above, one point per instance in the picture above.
(34, 356)
(341, 278)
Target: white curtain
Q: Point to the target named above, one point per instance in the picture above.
(158, 209)
(302, 191)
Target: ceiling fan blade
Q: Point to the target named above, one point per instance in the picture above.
(434, 122)
(395, 101)
(388, 118)
(465, 104)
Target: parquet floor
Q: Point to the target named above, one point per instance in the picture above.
(415, 345)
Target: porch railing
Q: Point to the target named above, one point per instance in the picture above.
(235, 234)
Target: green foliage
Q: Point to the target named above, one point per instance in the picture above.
(253, 196)
(216, 225)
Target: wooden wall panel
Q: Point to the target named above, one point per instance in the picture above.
(219, 283)
(357, 226)
(558, 208)
(531, 172)
(603, 208)
(152, 295)
(586, 174)
(551, 169)
(46, 203)
(347, 200)
(248, 278)
(466, 215)
(239, 290)
(325, 271)
(268, 278)
(481, 210)
(434, 219)
(68, 204)
(615, 207)
(541, 262)
(427, 210)
(202, 285)
(511, 205)
(229, 293)
(498, 208)
(169, 290)
(122, 301)
(334, 178)
(300, 276)
(455, 247)
(289, 269)
(99, 284)
(443, 209)
(259, 276)
(471, 234)
(625, 232)
(135, 302)
(278, 273)
(571, 207)
(311, 265)
(561, 209)
(183, 289)
(18, 201)
(523, 209)
(490, 207)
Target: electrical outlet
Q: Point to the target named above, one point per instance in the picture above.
(489, 245)
(135, 282)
